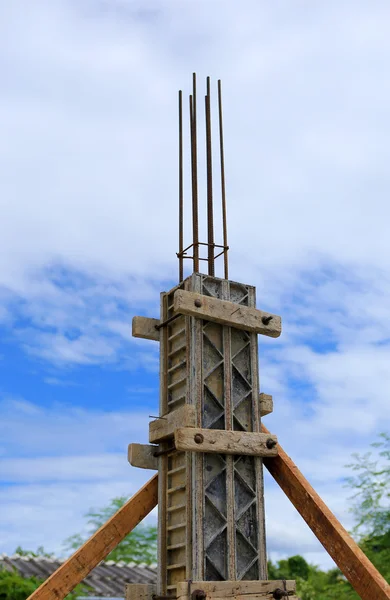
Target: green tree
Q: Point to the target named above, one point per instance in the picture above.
(372, 489)
(140, 546)
(15, 587)
(371, 503)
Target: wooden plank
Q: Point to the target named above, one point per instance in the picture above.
(235, 590)
(140, 591)
(238, 596)
(221, 441)
(142, 456)
(143, 327)
(359, 571)
(266, 404)
(164, 428)
(162, 538)
(94, 550)
(227, 313)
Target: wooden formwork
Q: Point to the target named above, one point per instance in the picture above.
(211, 519)
(209, 447)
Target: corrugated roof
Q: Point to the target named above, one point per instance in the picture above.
(107, 580)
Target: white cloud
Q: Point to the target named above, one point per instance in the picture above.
(56, 463)
(88, 205)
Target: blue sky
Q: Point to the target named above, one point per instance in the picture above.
(88, 189)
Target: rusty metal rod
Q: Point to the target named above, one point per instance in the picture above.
(210, 216)
(192, 168)
(224, 219)
(181, 272)
(195, 222)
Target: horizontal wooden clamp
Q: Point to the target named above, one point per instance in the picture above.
(143, 456)
(144, 327)
(235, 590)
(220, 441)
(164, 428)
(227, 313)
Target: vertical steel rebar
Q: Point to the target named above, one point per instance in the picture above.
(210, 215)
(192, 167)
(224, 220)
(195, 221)
(181, 246)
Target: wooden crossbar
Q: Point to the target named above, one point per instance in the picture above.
(347, 555)
(88, 556)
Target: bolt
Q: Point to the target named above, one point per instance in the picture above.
(270, 443)
(198, 438)
(198, 595)
(279, 594)
(266, 320)
(198, 303)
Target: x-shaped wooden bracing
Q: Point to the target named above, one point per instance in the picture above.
(360, 572)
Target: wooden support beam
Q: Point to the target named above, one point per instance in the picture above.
(235, 590)
(143, 327)
(164, 428)
(266, 404)
(142, 456)
(227, 313)
(94, 550)
(359, 571)
(195, 439)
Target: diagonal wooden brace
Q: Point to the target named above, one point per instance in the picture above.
(359, 571)
(80, 564)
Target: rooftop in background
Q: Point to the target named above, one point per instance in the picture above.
(107, 580)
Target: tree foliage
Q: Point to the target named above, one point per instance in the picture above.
(15, 587)
(371, 483)
(140, 546)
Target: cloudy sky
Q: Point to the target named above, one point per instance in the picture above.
(88, 192)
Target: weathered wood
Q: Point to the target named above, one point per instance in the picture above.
(164, 428)
(235, 590)
(140, 591)
(266, 404)
(227, 313)
(220, 441)
(86, 558)
(359, 571)
(142, 456)
(144, 327)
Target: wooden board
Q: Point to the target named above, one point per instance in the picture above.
(143, 327)
(164, 428)
(235, 590)
(86, 558)
(359, 571)
(226, 313)
(140, 591)
(266, 404)
(142, 456)
(224, 442)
